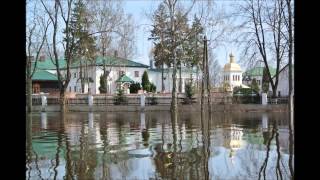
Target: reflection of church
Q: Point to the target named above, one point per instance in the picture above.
(233, 139)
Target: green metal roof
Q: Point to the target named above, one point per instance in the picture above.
(43, 75)
(113, 61)
(117, 61)
(124, 78)
(166, 70)
(258, 71)
(47, 64)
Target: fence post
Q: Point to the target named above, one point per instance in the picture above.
(43, 102)
(142, 101)
(90, 101)
(264, 99)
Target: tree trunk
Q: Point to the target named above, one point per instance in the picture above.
(207, 74)
(197, 74)
(290, 104)
(203, 78)
(29, 94)
(174, 86)
(162, 80)
(180, 79)
(81, 78)
(62, 100)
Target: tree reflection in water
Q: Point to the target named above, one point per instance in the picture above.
(291, 145)
(175, 146)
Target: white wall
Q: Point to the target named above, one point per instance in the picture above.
(114, 75)
(155, 78)
(74, 82)
(283, 83)
(233, 83)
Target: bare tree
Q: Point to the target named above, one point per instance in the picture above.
(290, 28)
(126, 48)
(263, 37)
(63, 73)
(172, 8)
(215, 68)
(111, 24)
(37, 28)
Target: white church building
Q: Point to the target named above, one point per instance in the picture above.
(232, 74)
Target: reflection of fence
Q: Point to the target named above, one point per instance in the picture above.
(278, 100)
(109, 100)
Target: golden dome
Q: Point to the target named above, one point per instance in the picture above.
(232, 66)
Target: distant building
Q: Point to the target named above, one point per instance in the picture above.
(232, 74)
(186, 75)
(44, 81)
(121, 74)
(256, 73)
(283, 82)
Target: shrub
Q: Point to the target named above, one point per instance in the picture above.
(189, 90)
(153, 88)
(145, 81)
(120, 98)
(135, 87)
(102, 87)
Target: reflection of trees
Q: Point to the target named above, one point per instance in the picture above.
(87, 162)
(104, 138)
(174, 162)
(278, 170)
(69, 169)
(291, 137)
(265, 163)
(206, 139)
(29, 143)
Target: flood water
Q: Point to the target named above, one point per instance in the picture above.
(157, 145)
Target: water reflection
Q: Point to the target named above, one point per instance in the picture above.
(157, 145)
(43, 120)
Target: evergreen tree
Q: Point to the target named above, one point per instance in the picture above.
(161, 40)
(254, 85)
(102, 87)
(84, 47)
(145, 81)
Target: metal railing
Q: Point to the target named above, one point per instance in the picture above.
(156, 100)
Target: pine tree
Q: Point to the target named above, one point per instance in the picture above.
(84, 48)
(160, 37)
(145, 81)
